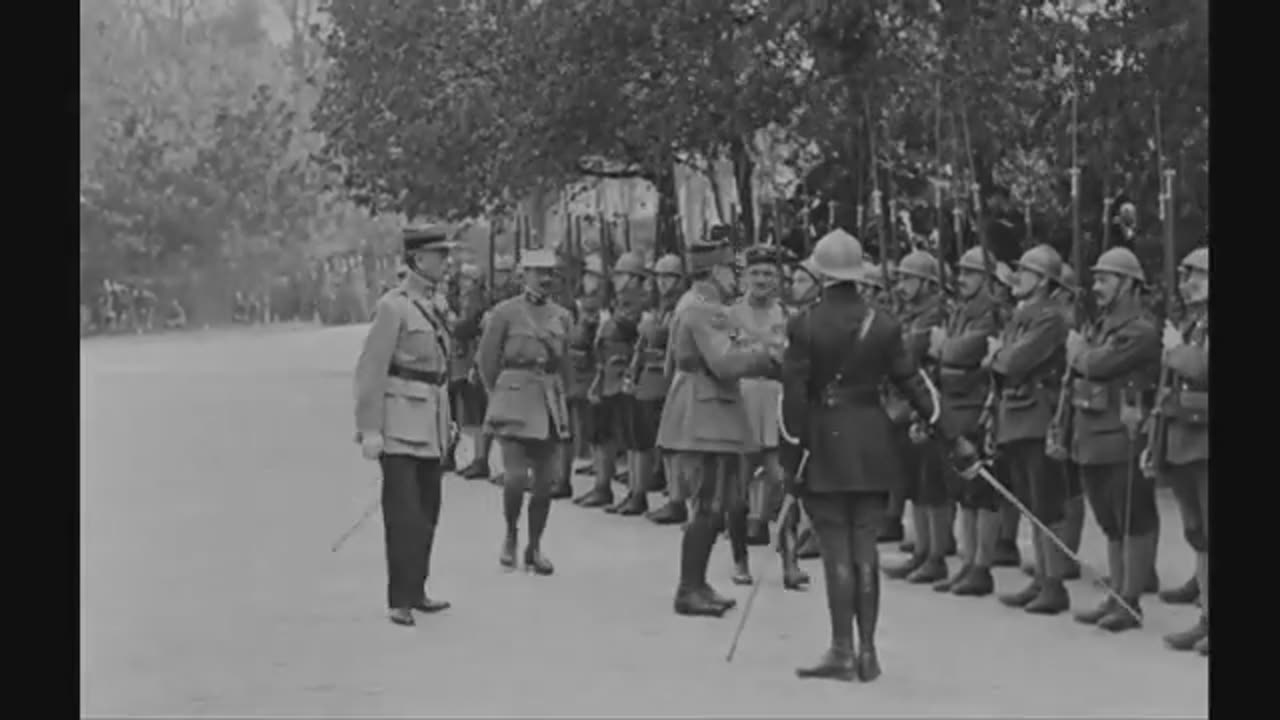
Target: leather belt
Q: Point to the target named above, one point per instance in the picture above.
(431, 377)
(854, 395)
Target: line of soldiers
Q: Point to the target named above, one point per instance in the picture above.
(865, 388)
(121, 306)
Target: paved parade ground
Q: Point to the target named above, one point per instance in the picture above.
(218, 468)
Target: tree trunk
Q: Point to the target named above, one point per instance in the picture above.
(667, 239)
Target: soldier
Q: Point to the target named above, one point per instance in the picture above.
(1111, 364)
(760, 318)
(505, 283)
(838, 354)
(932, 511)
(1027, 361)
(402, 418)
(1007, 552)
(1184, 407)
(616, 347)
(523, 361)
(611, 401)
(465, 390)
(651, 382)
(582, 370)
(704, 421)
(965, 386)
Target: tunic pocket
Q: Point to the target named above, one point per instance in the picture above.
(1192, 407)
(505, 405)
(411, 413)
(1090, 396)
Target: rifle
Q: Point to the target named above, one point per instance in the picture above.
(1057, 438)
(493, 260)
(937, 187)
(978, 217)
(1156, 428)
(876, 197)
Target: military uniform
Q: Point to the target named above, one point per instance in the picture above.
(615, 347)
(402, 418)
(647, 368)
(837, 356)
(582, 372)
(1184, 407)
(675, 510)
(1111, 371)
(465, 390)
(965, 387)
(704, 424)
(1073, 514)
(1029, 366)
(524, 364)
(926, 486)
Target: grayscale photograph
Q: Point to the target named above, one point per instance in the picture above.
(644, 358)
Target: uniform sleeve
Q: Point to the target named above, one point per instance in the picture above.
(1132, 347)
(1036, 346)
(373, 365)
(967, 349)
(489, 352)
(913, 384)
(916, 338)
(796, 364)
(710, 330)
(566, 365)
(1189, 361)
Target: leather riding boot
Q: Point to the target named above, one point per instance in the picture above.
(1007, 552)
(637, 504)
(1138, 554)
(835, 664)
(920, 551)
(1187, 639)
(867, 615)
(508, 557)
(1053, 597)
(737, 520)
(479, 467)
(1032, 590)
(934, 568)
(979, 583)
(562, 486)
(1185, 594)
(950, 547)
(1072, 534)
(671, 512)
(601, 493)
(695, 552)
(1115, 569)
(893, 531)
(968, 549)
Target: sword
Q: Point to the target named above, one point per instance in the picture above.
(746, 610)
(368, 512)
(1095, 576)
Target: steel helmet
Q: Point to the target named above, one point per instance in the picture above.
(669, 264)
(593, 265)
(919, 264)
(1120, 261)
(976, 259)
(1067, 278)
(1042, 260)
(629, 263)
(539, 259)
(838, 256)
(872, 275)
(1197, 259)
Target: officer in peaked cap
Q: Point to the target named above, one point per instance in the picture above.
(524, 364)
(402, 416)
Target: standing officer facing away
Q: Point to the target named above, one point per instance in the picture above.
(402, 417)
(524, 363)
(838, 353)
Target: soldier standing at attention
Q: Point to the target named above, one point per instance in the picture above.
(582, 371)
(505, 287)
(1027, 362)
(923, 307)
(1185, 444)
(619, 339)
(648, 365)
(610, 402)
(965, 386)
(760, 319)
(523, 361)
(1112, 365)
(1007, 552)
(402, 418)
(838, 354)
(465, 389)
(704, 422)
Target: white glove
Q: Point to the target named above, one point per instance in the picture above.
(371, 446)
(1171, 337)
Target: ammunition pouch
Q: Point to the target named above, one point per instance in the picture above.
(1187, 406)
(1090, 395)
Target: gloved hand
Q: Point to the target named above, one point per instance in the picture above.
(965, 458)
(1131, 418)
(371, 445)
(918, 433)
(1145, 464)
